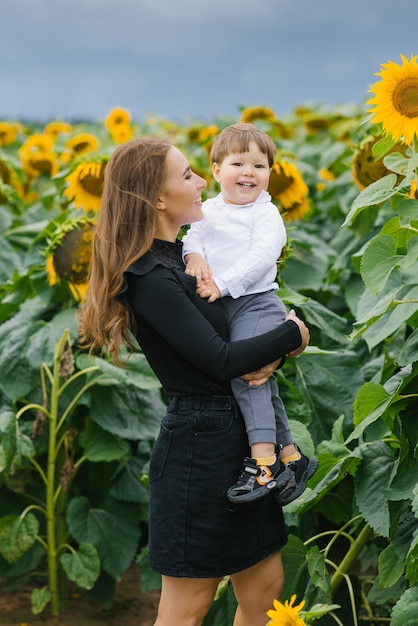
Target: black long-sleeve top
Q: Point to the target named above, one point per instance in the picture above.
(184, 337)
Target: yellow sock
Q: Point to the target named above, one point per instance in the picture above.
(292, 457)
(268, 460)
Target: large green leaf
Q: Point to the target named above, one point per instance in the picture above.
(330, 383)
(372, 477)
(405, 610)
(391, 568)
(100, 445)
(127, 411)
(127, 485)
(82, 566)
(222, 610)
(17, 535)
(113, 531)
(137, 371)
(376, 193)
(381, 257)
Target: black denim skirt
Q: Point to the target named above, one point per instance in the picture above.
(194, 531)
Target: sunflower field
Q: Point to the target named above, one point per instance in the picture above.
(76, 431)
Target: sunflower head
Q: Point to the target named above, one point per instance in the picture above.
(121, 133)
(286, 184)
(54, 129)
(116, 116)
(80, 144)
(69, 255)
(250, 114)
(366, 169)
(85, 184)
(37, 156)
(286, 614)
(395, 100)
(8, 133)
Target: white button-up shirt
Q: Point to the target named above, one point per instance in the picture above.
(241, 243)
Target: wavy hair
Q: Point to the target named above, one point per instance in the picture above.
(126, 224)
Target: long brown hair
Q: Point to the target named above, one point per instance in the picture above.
(126, 226)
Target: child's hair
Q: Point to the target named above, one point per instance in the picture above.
(237, 138)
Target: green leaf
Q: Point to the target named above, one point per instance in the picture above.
(372, 476)
(17, 535)
(149, 579)
(100, 445)
(127, 411)
(40, 599)
(137, 373)
(222, 610)
(376, 193)
(405, 610)
(378, 261)
(412, 563)
(317, 610)
(82, 566)
(396, 162)
(331, 324)
(391, 568)
(382, 147)
(371, 401)
(408, 208)
(317, 569)
(127, 484)
(114, 532)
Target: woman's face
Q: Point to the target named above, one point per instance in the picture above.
(181, 200)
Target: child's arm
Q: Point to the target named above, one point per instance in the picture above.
(209, 290)
(197, 266)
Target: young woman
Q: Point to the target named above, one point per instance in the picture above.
(138, 285)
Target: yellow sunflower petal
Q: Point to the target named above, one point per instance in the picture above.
(85, 185)
(395, 101)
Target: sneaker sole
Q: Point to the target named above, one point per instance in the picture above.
(307, 474)
(276, 483)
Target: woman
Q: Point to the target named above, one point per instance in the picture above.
(138, 286)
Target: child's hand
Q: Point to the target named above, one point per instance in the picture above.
(196, 266)
(209, 290)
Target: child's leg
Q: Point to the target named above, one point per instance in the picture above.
(250, 316)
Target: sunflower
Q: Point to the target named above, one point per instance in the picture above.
(286, 184)
(85, 184)
(395, 101)
(69, 256)
(80, 144)
(286, 614)
(53, 129)
(9, 177)
(117, 116)
(296, 211)
(251, 114)
(366, 169)
(121, 133)
(37, 156)
(7, 133)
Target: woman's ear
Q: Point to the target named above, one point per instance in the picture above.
(160, 205)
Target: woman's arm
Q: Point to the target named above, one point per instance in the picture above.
(161, 299)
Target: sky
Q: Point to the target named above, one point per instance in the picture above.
(194, 59)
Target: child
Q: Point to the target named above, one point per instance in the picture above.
(233, 254)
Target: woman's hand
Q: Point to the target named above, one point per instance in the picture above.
(261, 376)
(304, 332)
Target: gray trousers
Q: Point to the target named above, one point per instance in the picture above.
(263, 410)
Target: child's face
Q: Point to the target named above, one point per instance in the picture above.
(242, 176)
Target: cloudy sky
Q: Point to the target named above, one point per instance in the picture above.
(186, 59)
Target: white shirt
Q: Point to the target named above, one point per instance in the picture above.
(241, 243)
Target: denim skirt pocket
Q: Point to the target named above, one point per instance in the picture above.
(160, 453)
